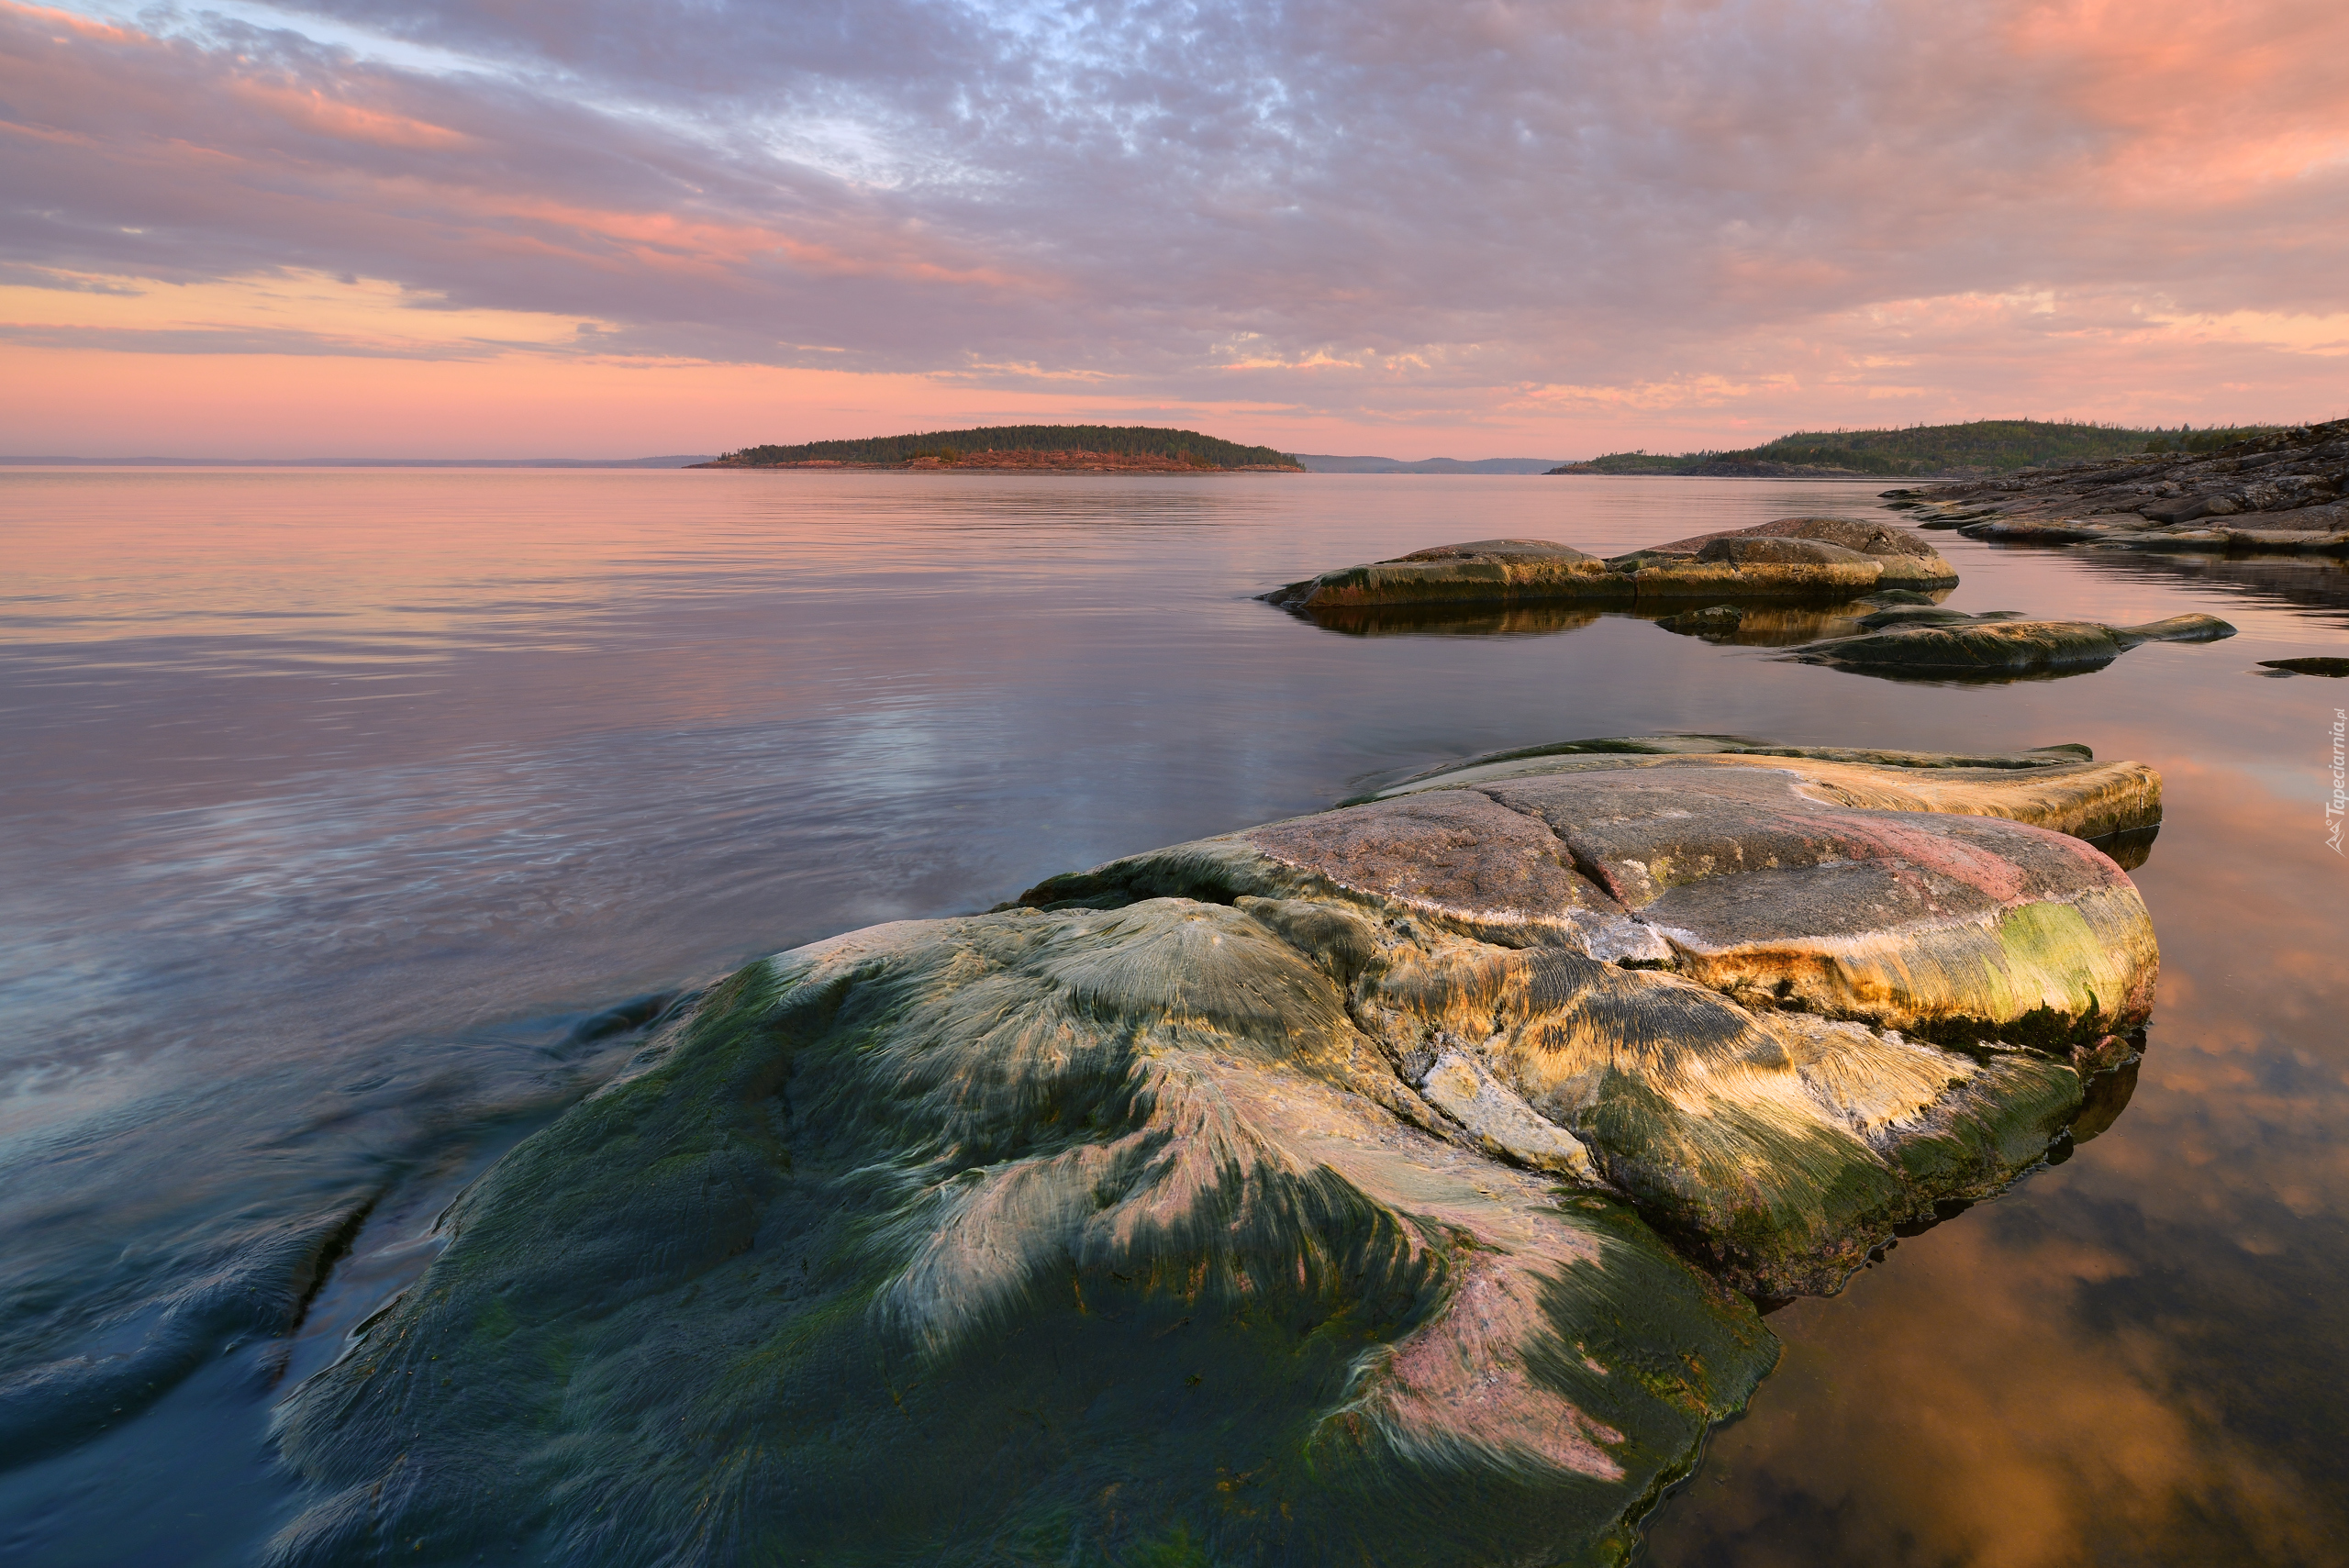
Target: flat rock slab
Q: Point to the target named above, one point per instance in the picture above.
(1376, 1186)
(2314, 664)
(1941, 646)
(1795, 558)
(1865, 536)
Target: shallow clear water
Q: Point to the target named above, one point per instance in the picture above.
(335, 801)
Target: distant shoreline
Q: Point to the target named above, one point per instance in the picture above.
(690, 461)
(1845, 476)
(681, 465)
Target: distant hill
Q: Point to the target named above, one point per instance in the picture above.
(1146, 447)
(1986, 446)
(1426, 465)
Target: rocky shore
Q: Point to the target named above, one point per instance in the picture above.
(2277, 493)
(1387, 1184)
(1794, 558)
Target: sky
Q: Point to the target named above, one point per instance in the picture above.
(1410, 228)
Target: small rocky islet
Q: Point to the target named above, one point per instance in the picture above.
(1854, 594)
(1393, 1183)
(2284, 491)
(1792, 558)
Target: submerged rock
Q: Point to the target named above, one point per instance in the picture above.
(1364, 1187)
(1943, 645)
(1796, 558)
(2313, 664)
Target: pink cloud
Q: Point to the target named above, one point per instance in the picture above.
(1567, 225)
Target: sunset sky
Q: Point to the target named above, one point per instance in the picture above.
(597, 228)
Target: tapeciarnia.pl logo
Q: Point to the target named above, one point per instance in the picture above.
(2335, 807)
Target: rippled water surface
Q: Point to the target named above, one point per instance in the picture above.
(340, 804)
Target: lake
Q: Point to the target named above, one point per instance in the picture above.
(340, 808)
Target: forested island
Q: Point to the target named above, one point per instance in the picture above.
(1077, 449)
(1951, 451)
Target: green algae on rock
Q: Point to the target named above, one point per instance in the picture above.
(1795, 558)
(1031, 1235)
(1332, 1190)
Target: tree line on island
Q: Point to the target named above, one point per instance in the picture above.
(1113, 447)
(1983, 446)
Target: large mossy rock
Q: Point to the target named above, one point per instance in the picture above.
(1795, 558)
(1369, 1186)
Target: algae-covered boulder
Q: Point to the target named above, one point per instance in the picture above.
(1945, 646)
(1367, 1186)
(1795, 558)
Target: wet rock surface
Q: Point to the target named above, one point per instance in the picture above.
(2314, 664)
(1792, 558)
(2279, 493)
(1378, 1183)
(1793, 625)
(1946, 645)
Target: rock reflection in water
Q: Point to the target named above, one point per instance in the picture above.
(1771, 626)
(1462, 620)
(1763, 626)
(2297, 581)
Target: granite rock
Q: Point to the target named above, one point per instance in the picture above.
(1376, 1185)
(1796, 558)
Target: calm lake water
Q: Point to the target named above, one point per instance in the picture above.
(336, 803)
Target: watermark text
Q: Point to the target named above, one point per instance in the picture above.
(2337, 805)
